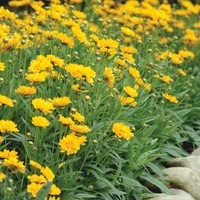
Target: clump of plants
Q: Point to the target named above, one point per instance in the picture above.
(93, 101)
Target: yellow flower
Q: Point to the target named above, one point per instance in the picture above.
(108, 46)
(8, 126)
(122, 131)
(79, 34)
(120, 62)
(4, 100)
(1, 139)
(37, 178)
(2, 66)
(64, 39)
(110, 77)
(65, 120)
(79, 14)
(40, 65)
(164, 78)
(6, 154)
(17, 3)
(79, 128)
(181, 72)
(40, 121)
(14, 165)
(43, 105)
(78, 117)
(80, 72)
(47, 172)
(186, 54)
(77, 88)
(130, 91)
(26, 90)
(71, 143)
(2, 176)
(134, 72)
(35, 165)
(170, 98)
(37, 77)
(128, 49)
(34, 188)
(176, 58)
(55, 60)
(54, 190)
(127, 101)
(61, 101)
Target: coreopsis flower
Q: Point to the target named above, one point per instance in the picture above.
(19, 3)
(61, 101)
(130, 91)
(181, 72)
(65, 120)
(64, 39)
(1, 139)
(164, 78)
(110, 77)
(68, 22)
(120, 62)
(35, 165)
(40, 121)
(108, 46)
(8, 126)
(34, 188)
(77, 88)
(170, 98)
(79, 128)
(2, 66)
(130, 101)
(176, 58)
(4, 100)
(37, 178)
(40, 64)
(14, 165)
(37, 77)
(6, 154)
(122, 131)
(134, 72)
(78, 117)
(2, 176)
(55, 60)
(128, 57)
(79, 34)
(26, 90)
(47, 173)
(79, 14)
(43, 105)
(71, 143)
(54, 190)
(80, 72)
(128, 49)
(186, 54)
(147, 86)
(190, 37)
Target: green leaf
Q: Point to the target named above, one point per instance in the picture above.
(44, 191)
(156, 182)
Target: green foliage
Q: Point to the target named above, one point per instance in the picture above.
(100, 163)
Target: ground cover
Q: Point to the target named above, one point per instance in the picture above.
(95, 100)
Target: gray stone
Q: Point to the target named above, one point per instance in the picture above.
(185, 179)
(178, 195)
(196, 152)
(192, 162)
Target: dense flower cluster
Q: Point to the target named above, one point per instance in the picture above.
(75, 84)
